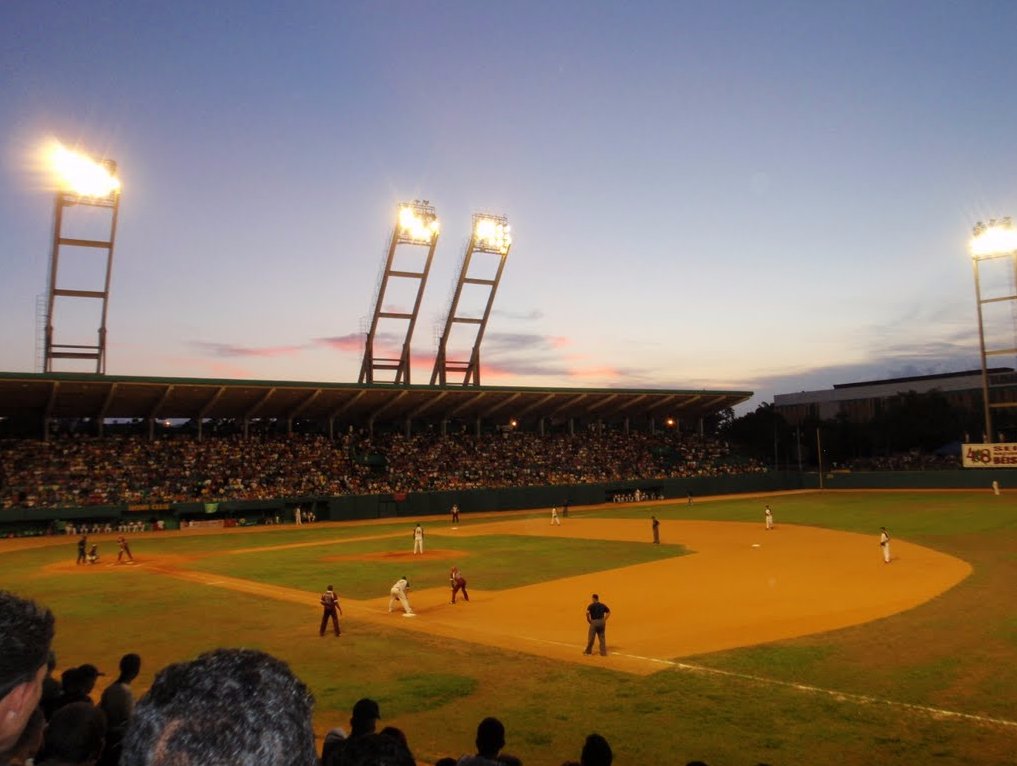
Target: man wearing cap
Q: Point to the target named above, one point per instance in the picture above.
(398, 596)
(26, 632)
(596, 615)
(458, 583)
(418, 539)
(330, 605)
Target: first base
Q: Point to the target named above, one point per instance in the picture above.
(409, 615)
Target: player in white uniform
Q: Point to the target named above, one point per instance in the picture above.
(769, 517)
(884, 543)
(418, 539)
(399, 596)
(554, 517)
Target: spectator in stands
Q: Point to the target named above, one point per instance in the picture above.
(51, 688)
(490, 740)
(229, 706)
(74, 736)
(364, 721)
(376, 750)
(117, 703)
(596, 752)
(26, 632)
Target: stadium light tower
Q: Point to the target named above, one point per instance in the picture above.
(491, 234)
(991, 241)
(89, 185)
(416, 225)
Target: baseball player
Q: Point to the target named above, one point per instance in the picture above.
(332, 610)
(995, 488)
(125, 550)
(554, 517)
(418, 539)
(455, 513)
(458, 583)
(768, 514)
(398, 593)
(93, 554)
(656, 530)
(884, 542)
(82, 548)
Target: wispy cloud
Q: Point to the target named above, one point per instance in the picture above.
(521, 316)
(353, 342)
(229, 350)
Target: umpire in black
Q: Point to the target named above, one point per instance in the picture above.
(596, 615)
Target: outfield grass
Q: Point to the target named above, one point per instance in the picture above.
(957, 653)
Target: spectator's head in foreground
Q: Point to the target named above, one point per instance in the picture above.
(490, 737)
(365, 717)
(26, 632)
(596, 752)
(229, 706)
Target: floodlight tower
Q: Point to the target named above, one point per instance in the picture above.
(491, 234)
(992, 241)
(87, 184)
(416, 226)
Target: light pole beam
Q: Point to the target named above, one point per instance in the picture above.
(490, 235)
(991, 241)
(82, 183)
(416, 226)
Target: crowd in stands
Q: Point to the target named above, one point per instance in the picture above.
(86, 471)
(906, 462)
(228, 706)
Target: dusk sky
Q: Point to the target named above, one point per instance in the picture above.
(764, 196)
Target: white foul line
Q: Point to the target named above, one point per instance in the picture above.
(862, 699)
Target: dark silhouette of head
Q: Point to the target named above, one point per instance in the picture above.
(365, 717)
(490, 737)
(596, 752)
(130, 666)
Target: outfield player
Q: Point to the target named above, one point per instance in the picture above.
(656, 530)
(398, 596)
(332, 610)
(418, 539)
(884, 543)
(554, 517)
(457, 583)
(768, 514)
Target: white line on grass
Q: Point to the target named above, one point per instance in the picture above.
(862, 699)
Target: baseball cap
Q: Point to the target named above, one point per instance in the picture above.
(365, 709)
(90, 670)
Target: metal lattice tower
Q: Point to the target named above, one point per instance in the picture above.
(416, 226)
(994, 246)
(491, 235)
(106, 206)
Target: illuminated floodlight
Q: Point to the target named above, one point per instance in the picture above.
(418, 222)
(79, 174)
(997, 237)
(492, 234)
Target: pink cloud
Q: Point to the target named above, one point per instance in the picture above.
(230, 350)
(352, 342)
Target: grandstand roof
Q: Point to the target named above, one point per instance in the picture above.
(81, 395)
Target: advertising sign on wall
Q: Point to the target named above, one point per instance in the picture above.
(989, 455)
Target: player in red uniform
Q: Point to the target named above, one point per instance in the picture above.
(458, 583)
